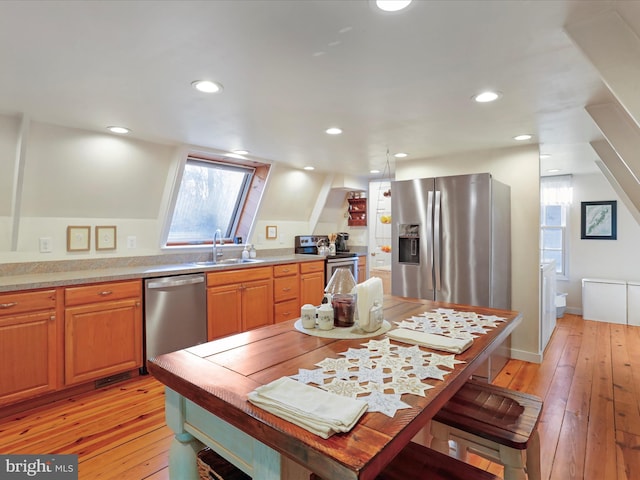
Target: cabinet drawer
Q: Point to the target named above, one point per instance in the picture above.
(310, 267)
(102, 292)
(238, 276)
(285, 288)
(12, 303)
(284, 270)
(286, 311)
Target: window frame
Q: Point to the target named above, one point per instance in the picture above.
(558, 194)
(245, 211)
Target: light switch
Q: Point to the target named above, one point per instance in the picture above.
(131, 241)
(46, 245)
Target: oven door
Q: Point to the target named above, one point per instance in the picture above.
(333, 263)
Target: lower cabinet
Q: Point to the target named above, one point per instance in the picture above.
(30, 353)
(286, 292)
(311, 282)
(103, 330)
(362, 268)
(239, 300)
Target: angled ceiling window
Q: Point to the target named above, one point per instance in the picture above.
(212, 196)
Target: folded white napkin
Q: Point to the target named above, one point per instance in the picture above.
(369, 292)
(315, 410)
(430, 340)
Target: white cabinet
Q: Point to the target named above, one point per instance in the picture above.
(604, 300)
(633, 303)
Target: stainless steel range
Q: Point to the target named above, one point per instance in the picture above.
(308, 245)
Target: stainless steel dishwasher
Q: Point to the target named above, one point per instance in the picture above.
(175, 313)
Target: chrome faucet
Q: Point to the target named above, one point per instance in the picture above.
(218, 234)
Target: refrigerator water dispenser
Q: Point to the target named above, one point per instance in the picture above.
(409, 243)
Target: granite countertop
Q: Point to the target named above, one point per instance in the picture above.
(36, 280)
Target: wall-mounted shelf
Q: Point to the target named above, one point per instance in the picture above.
(357, 212)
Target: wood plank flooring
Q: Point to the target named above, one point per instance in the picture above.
(590, 428)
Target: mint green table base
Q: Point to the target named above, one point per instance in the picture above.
(195, 427)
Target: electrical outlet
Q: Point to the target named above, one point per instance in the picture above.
(46, 245)
(131, 241)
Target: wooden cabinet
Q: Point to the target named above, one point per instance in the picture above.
(357, 212)
(286, 292)
(311, 282)
(239, 300)
(103, 330)
(30, 352)
(362, 268)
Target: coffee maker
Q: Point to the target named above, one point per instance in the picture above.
(341, 242)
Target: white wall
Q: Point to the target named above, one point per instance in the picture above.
(613, 259)
(78, 177)
(518, 168)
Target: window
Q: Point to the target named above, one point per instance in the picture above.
(212, 195)
(555, 198)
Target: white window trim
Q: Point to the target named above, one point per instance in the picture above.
(172, 189)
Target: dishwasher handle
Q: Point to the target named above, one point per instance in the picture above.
(176, 281)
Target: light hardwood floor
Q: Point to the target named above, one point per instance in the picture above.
(590, 429)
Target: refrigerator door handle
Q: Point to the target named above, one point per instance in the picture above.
(436, 240)
(429, 239)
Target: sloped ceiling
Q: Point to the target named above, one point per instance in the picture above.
(611, 42)
(292, 68)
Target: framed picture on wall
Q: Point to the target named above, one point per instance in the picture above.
(598, 220)
(272, 231)
(106, 237)
(78, 238)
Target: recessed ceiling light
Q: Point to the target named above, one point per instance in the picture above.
(334, 131)
(309, 167)
(487, 96)
(400, 155)
(523, 137)
(241, 152)
(206, 86)
(120, 130)
(374, 171)
(544, 156)
(554, 170)
(392, 5)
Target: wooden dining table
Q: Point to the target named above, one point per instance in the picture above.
(207, 387)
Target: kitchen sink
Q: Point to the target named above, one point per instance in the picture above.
(228, 261)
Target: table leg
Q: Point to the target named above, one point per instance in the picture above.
(184, 448)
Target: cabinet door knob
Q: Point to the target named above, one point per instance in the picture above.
(8, 305)
(286, 289)
(104, 293)
(53, 317)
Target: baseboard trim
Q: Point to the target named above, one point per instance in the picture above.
(526, 356)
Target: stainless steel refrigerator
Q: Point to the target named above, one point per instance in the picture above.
(451, 242)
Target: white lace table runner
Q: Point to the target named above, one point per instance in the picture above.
(381, 372)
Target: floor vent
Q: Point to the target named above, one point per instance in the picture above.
(103, 382)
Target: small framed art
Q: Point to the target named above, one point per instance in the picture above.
(272, 231)
(106, 237)
(598, 220)
(78, 238)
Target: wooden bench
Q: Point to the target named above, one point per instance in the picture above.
(417, 462)
(494, 422)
